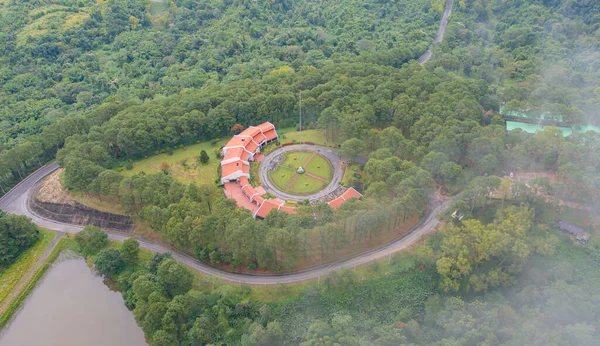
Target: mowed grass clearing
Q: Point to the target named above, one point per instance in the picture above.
(186, 156)
(306, 185)
(316, 136)
(286, 179)
(319, 166)
(295, 159)
(11, 275)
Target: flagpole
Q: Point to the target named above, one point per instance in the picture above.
(301, 116)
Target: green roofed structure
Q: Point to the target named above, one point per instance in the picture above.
(531, 124)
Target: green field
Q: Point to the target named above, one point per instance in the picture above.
(11, 275)
(316, 136)
(184, 165)
(286, 179)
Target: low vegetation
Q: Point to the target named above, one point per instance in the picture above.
(316, 173)
(10, 275)
(17, 234)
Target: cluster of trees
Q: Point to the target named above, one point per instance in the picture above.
(478, 257)
(109, 261)
(59, 60)
(17, 234)
(540, 54)
(504, 298)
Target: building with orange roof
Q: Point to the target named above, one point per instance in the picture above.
(348, 194)
(266, 208)
(235, 169)
(241, 149)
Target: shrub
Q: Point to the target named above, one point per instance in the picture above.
(109, 262)
(130, 250)
(91, 239)
(169, 151)
(129, 165)
(164, 167)
(204, 157)
(156, 260)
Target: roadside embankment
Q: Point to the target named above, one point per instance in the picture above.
(50, 201)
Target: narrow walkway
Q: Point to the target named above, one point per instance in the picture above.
(318, 177)
(308, 160)
(329, 154)
(24, 280)
(292, 181)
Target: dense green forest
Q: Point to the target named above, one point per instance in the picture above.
(63, 57)
(96, 84)
(533, 287)
(17, 234)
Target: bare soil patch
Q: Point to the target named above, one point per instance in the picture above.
(51, 190)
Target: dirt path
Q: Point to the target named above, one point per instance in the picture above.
(318, 177)
(292, 181)
(308, 160)
(24, 280)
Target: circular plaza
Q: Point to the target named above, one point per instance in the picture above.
(301, 171)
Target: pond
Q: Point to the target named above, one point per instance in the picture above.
(72, 306)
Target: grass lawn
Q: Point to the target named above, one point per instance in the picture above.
(107, 205)
(296, 159)
(316, 136)
(306, 185)
(349, 172)
(319, 166)
(186, 156)
(10, 276)
(280, 177)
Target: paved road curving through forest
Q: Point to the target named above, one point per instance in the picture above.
(16, 202)
(439, 37)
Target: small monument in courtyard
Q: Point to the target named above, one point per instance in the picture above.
(300, 170)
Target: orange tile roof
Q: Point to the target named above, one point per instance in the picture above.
(236, 142)
(259, 199)
(348, 194)
(266, 208)
(233, 153)
(351, 193)
(244, 156)
(230, 168)
(259, 137)
(251, 146)
(336, 202)
(251, 131)
(243, 181)
(249, 190)
(271, 134)
(266, 126)
(287, 209)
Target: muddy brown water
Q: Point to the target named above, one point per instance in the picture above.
(71, 306)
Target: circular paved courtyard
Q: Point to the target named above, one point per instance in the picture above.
(271, 163)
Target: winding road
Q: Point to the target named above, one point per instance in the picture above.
(439, 37)
(15, 202)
